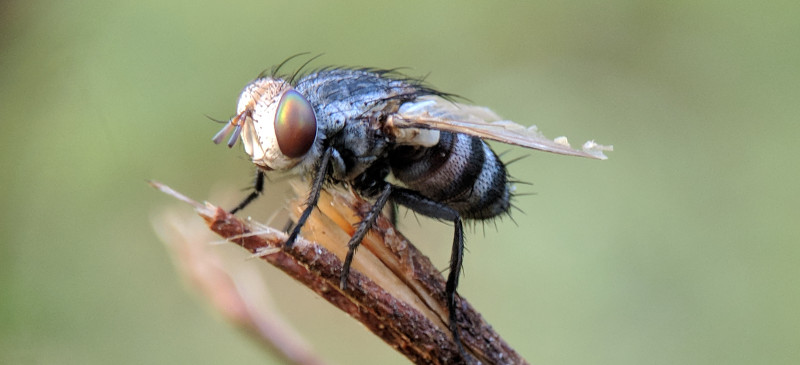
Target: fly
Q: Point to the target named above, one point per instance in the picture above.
(358, 126)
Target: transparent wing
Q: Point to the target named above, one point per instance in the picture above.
(433, 112)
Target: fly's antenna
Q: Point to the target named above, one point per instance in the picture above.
(233, 127)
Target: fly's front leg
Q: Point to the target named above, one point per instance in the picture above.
(258, 188)
(361, 231)
(313, 195)
(431, 208)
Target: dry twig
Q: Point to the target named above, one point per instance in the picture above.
(236, 291)
(393, 289)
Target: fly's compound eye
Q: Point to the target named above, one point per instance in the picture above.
(295, 124)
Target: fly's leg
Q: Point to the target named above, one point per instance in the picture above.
(456, 261)
(427, 207)
(431, 208)
(258, 188)
(313, 195)
(362, 230)
(289, 224)
(392, 213)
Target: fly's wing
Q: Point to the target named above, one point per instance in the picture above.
(433, 112)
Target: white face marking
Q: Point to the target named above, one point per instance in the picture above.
(261, 98)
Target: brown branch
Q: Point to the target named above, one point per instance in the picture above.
(393, 289)
(237, 293)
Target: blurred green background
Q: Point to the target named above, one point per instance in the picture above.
(680, 249)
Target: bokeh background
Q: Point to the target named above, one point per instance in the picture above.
(682, 248)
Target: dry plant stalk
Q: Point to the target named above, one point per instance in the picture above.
(237, 292)
(393, 289)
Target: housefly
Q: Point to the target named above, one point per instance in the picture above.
(358, 126)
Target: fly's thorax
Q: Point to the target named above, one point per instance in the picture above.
(279, 128)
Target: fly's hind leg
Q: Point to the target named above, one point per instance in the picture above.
(431, 208)
(258, 188)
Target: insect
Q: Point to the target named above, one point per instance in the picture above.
(358, 126)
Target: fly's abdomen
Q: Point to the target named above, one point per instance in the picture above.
(460, 171)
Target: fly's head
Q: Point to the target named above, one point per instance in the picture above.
(277, 124)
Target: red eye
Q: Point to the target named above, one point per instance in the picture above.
(295, 124)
